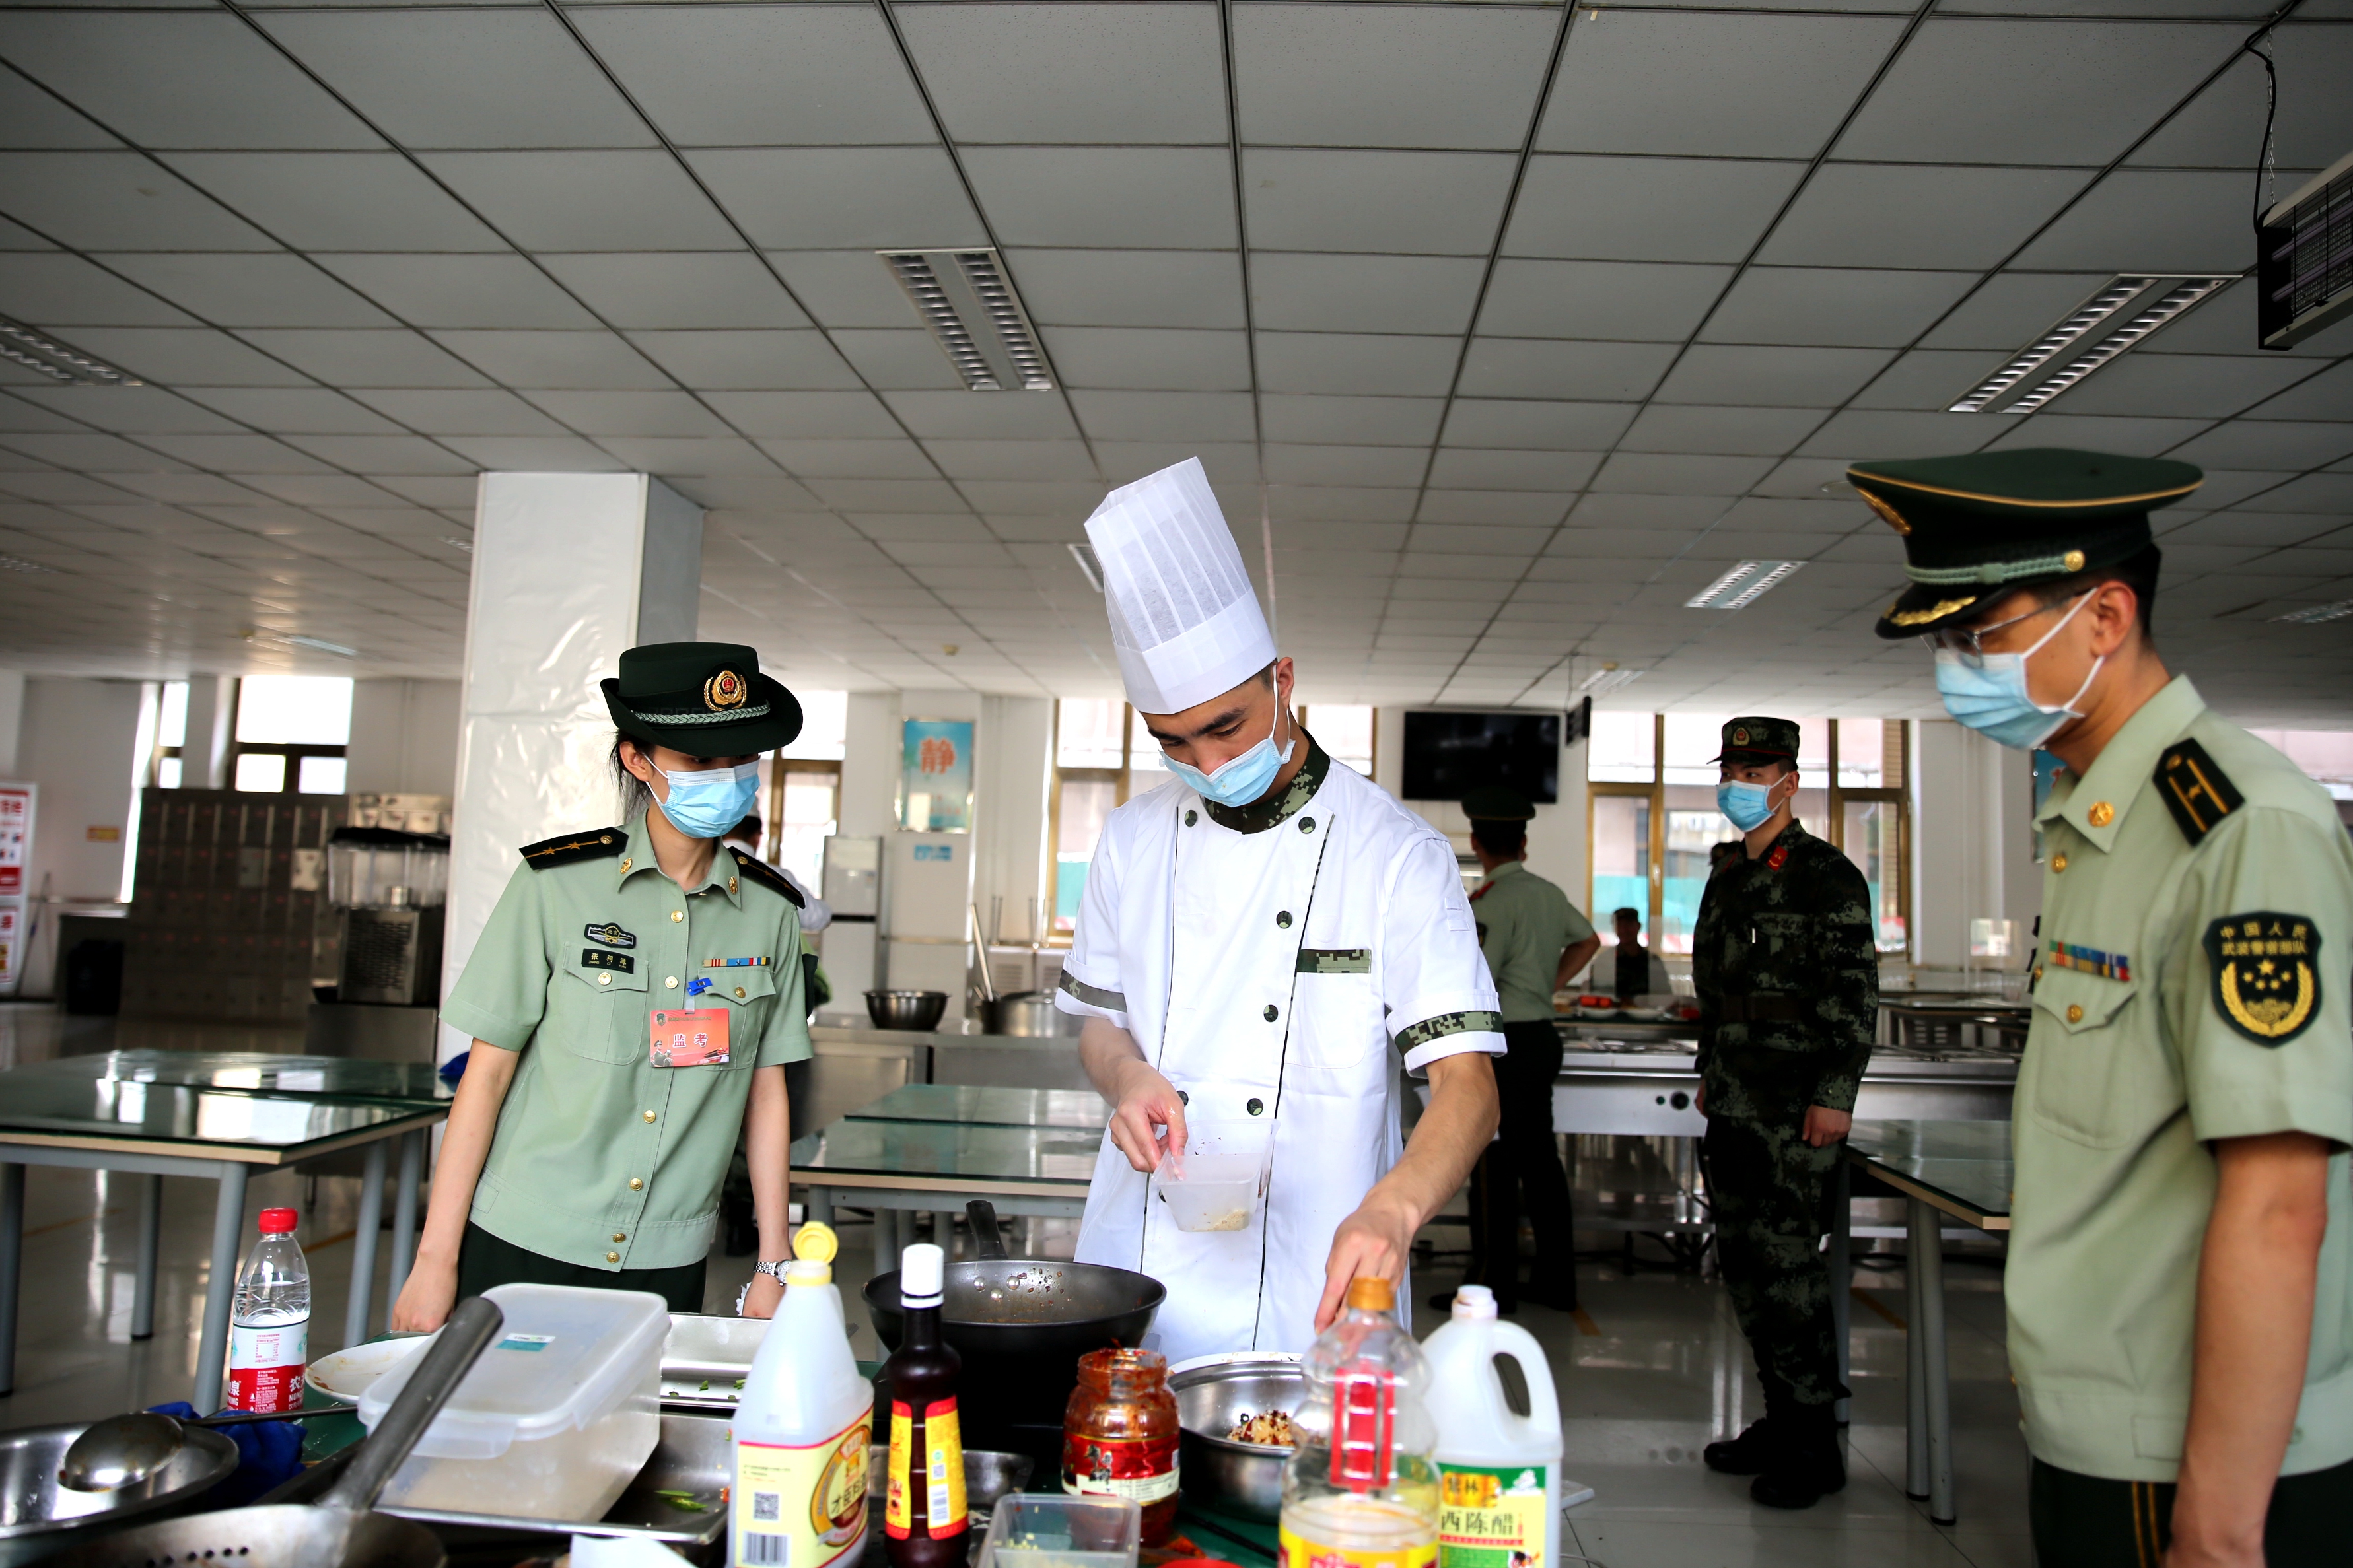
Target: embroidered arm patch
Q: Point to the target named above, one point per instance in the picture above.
(2266, 969)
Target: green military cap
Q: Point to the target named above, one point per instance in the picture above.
(1493, 802)
(1978, 525)
(1752, 740)
(705, 699)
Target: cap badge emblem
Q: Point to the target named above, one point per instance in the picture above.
(1887, 513)
(723, 691)
(1740, 736)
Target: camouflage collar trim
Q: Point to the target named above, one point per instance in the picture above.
(1284, 804)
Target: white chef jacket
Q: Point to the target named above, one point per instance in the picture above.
(1270, 970)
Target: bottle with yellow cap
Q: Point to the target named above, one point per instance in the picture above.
(1362, 1490)
(798, 1497)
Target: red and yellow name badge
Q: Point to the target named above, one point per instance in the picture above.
(690, 1039)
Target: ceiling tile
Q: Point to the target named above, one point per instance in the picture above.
(1070, 498)
(824, 198)
(1525, 511)
(840, 288)
(631, 413)
(1834, 306)
(748, 360)
(1340, 363)
(175, 356)
(294, 410)
(2327, 395)
(116, 201)
(2135, 436)
(807, 415)
(1292, 291)
(981, 415)
(2221, 127)
(468, 78)
(1645, 209)
(1723, 84)
(1405, 76)
(1095, 73)
(1352, 420)
(2001, 91)
(243, 289)
(1482, 540)
(338, 201)
(241, 454)
(1490, 468)
(1862, 435)
(2151, 220)
(1149, 358)
(178, 79)
(1333, 503)
(1755, 432)
(1563, 427)
(1522, 367)
(1164, 415)
(446, 413)
(32, 118)
(2186, 387)
(133, 410)
(561, 454)
(1928, 380)
(1778, 377)
(1105, 196)
(893, 459)
(689, 454)
(385, 453)
(1432, 204)
(1309, 465)
(721, 289)
(50, 289)
(554, 359)
(2269, 444)
(1622, 299)
(893, 495)
(1227, 462)
(574, 200)
(1648, 473)
(2013, 308)
(1856, 215)
(1126, 288)
(907, 359)
(2224, 323)
(753, 76)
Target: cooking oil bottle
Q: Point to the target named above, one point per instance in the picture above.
(1362, 1490)
(801, 1431)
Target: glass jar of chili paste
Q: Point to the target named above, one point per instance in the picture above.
(1119, 1434)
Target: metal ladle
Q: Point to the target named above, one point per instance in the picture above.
(123, 1450)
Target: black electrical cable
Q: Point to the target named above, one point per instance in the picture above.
(2270, 112)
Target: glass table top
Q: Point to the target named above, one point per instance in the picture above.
(1077, 1108)
(883, 1149)
(1965, 1163)
(121, 1111)
(252, 1072)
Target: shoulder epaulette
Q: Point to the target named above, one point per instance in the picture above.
(769, 877)
(595, 844)
(2199, 793)
(1720, 855)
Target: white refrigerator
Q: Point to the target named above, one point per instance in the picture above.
(926, 899)
(852, 880)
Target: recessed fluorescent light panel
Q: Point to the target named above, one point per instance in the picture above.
(1741, 586)
(1091, 568)
(2126, 310)
(18, 563)
(2304, 260)
(2314, 614)
(973, 313)
(43, 355)
(1608, 679)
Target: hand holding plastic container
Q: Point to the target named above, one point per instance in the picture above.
(1362, 1490)
(1217, 1181)
(800, 1435)
(270, 1343)
(1499, 1472)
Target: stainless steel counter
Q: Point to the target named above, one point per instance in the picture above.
(1610, 1083)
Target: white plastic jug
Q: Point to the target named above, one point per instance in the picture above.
(801, 1430)
(1499, 1473)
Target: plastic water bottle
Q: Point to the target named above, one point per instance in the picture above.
(269, 1346)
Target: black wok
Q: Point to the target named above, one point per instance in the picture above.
(337, 1531)
(1022, 1323)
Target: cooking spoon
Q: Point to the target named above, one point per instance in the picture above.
(123, 1450)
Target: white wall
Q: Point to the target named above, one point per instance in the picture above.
(1016, 771)
(76, 741)
(12, 719)
(405, 737)
(1972, 854)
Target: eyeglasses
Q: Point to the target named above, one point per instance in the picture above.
(1970, 643)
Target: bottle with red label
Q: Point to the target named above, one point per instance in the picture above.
(269, 1345)
(1119, 1436)
(925, 1522)
(1362, 1490)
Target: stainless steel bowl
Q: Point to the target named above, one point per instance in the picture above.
(1213, 1392)
(38, 1517)
(1031, 1014)
(916, 1010)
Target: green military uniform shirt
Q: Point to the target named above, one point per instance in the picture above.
(602, 1159)
(1787, 973)
(2190, 984)
(1525, 923)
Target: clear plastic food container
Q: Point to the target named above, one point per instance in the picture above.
(556, 1418)
(1039, 1529)
(1219, 1181)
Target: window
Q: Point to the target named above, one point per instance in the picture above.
(293, 732)
(1345, 733)
(804, 811)
(1094, 760)
(824, 725)
(170, 735)
(1653, 821)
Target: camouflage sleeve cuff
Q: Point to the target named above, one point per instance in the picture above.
(1413, 1037)
(1093, 995)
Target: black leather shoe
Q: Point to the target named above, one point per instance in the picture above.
(1747, 1455)
(1804, 1468)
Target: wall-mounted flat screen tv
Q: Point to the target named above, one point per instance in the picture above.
(1449, 754)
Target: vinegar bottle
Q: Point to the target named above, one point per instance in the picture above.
(924, 1521)
(797, 1495)
(269, 1345)
(1499, 1472)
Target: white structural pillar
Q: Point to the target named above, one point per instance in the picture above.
(569, 571)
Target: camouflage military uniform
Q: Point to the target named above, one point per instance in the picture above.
(1787, 976)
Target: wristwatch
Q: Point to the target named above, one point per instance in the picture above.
(774, 1270)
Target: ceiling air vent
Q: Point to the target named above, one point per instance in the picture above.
(2140, 303)
(971, 310)
(1743, 586)
(38, 351)
(2304, 260)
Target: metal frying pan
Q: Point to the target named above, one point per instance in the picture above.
(338, 1528)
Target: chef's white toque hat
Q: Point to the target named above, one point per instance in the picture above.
(1184, 619)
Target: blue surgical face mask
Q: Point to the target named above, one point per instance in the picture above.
(1748, 805)
(1988, 692)
(706, 801)
(1243, 779)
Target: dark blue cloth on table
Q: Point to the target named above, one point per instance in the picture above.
(267, 1453)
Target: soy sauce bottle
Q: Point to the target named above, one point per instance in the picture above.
(924, 1523)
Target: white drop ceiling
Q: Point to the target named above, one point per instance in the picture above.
(1521, 325)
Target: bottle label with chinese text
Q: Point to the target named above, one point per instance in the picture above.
(266, 1365)
(800, 1506)
(939, 1479)
(1296, 1551)
(1143, 1468)
(1492, 1517)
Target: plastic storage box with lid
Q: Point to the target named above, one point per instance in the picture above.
(555, 1419)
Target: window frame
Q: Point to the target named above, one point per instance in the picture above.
(772, 819)
(1121, 778)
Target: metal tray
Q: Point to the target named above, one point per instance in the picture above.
(692, 1457)
(707, 1356)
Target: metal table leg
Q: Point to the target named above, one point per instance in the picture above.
(943, 1232)
(12, 1262)
(151, 1234)
(1843, 1275)
(817, 1204)
(371, 1219)
(1929, 1329)
(1915, 1361)
(220, 1287)
(890, 1238)
(404, 1213)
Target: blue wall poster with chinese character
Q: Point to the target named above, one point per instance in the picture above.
(935, 775)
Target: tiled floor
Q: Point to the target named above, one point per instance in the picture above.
(1651, 1370)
